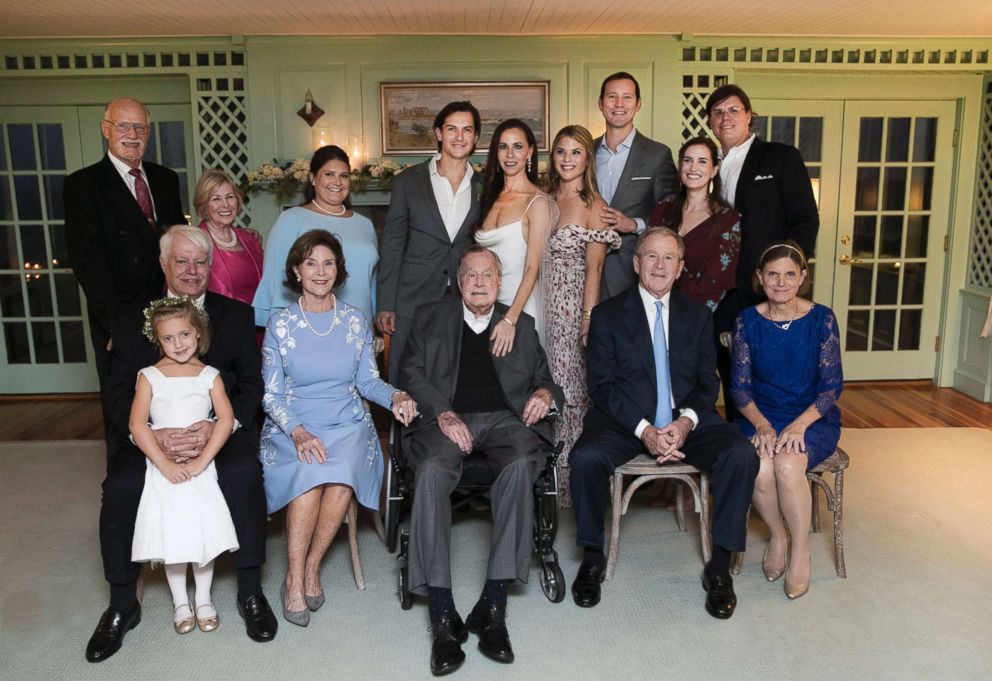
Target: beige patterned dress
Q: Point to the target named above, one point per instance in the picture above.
(563, 275)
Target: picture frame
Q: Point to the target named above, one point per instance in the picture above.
(407, 111)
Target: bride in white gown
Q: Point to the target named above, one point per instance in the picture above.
(518, 219)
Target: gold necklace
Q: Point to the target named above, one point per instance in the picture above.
(319, 207)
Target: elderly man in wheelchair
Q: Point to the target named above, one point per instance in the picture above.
(474, 396)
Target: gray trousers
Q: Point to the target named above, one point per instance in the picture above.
(515, 455)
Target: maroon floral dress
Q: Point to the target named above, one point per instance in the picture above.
(711, 252)
(563, 280)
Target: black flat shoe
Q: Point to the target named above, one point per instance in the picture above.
(489, 624)
(586, 588)
(447, 635)
(260, 623)
(720, 597)
(109, 633)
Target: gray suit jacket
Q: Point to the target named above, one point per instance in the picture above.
(417, 258)
(651, 164)
(429, 367)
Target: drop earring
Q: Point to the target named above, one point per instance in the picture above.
(528, 164)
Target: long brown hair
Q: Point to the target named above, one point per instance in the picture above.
(590, 189)
(716, 204)
(493, 174)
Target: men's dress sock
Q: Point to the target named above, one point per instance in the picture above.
(594, 556)
(440, 602)
(720, 561)
(249, 582)
(493, 593)
(124, 597)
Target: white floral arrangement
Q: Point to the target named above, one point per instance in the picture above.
(290, 179)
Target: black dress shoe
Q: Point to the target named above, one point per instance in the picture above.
(489, 624)
(260, 623)
(109, 633)
(586, 587)
(447, 634)
(720, 597)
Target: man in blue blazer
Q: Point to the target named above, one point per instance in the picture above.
(648, 343)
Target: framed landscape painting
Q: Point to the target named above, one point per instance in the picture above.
(408, 111)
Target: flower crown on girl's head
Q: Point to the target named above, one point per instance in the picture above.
(169, 301)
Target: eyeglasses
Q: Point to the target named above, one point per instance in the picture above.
(732, 112)
(124, 128)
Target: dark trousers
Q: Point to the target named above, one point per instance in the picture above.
(718, 449)
(723, 320)
(515, 455)
(239, 475)
(101, 358)
(397, 343)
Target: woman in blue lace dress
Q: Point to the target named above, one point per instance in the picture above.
(786, 380)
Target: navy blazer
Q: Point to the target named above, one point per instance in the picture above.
(775, 200)
(620, 370)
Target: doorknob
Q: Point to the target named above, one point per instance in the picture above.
(845, 239)
(848, 260)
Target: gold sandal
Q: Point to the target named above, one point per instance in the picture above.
(207, 623)
(186, 624)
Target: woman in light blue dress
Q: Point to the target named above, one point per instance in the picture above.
(318, 444)
(325, 207)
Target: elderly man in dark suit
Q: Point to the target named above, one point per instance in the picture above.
(432, 207)
(473, 401)
(185, 260)
(115, 212)
(767, 183)
(653, 387)
(634, 173)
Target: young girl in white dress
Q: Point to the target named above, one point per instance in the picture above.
(182, 517)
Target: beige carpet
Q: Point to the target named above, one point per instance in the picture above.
(915, 605)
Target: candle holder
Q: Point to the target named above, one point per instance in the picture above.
(310, 112)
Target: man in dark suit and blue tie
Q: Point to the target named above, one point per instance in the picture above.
(653, 386)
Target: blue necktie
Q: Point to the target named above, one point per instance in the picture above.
(663, 414)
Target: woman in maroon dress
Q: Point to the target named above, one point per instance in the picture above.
(708, 226)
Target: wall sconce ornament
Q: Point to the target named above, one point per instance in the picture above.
(310, 112)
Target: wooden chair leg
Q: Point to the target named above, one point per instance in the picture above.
(838, 524)
(611, 562)
(815, 524)
(356, 561)
(704, 517)
(679, 501)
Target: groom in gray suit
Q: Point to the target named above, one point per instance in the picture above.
(431, 209)
(634, 173)
(473, 401)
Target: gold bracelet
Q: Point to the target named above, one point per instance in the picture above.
(587, 314)
(507, 320)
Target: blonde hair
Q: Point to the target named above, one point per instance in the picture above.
(179, 306)
(209, 182)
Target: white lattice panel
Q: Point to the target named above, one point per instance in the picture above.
(695, 90)
(223, 127)
(980, 267)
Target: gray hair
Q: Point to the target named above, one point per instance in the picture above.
(194, 234)
(660, 231)
(476, 249)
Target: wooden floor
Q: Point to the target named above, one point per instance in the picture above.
(887, 404)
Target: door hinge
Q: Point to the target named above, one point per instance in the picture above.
(936, 344)
(947, 243)
(956, 137)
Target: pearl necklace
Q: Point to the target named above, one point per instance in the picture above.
(319, 207)
(310, 326)
(223, 244)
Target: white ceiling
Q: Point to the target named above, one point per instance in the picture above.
(111, 18)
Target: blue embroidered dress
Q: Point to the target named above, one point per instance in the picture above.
(319, 382)
(784, 371)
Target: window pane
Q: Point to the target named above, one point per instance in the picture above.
(921, 188)
(857, 330)
(811, 139)
(67, 295)
(884, 332)
(860, 293)
(3, 151)
(909, 329)
(890, 245)
(60, 253)
(40, 296)
(52, 146)
(8, 247)
(914, 278)
(11, 300)
(46, 345)
(867, 189)
(759, 126)
(6, 205)
(183, 189)
(925, 139)
(173, 144)
(784, 130)
(917, 233)
(864, 236)
(73, 342)
(21, 136)
(33, 245)
(151, 149)
(28, 197)
(870, 140)
(895, 189)
(897, 143)
(886, 285)
(53, 196)
(16, 338)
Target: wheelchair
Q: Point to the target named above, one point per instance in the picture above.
(475, 482)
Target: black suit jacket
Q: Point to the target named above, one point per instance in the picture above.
(775, 200)
(620, 370)
(232, 352)
(647, 178)
(429, 367)
(113, 250)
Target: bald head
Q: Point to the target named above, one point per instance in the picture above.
(125, 127)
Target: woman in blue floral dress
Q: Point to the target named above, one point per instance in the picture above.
(709, 227)
(319, 445)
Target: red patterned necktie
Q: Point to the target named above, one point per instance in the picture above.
(143, 196)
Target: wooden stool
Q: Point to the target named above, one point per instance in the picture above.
(646, 469)
(836, 464)
(356, 561)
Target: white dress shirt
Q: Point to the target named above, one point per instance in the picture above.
(609, 168)
(477, 324)
(648, 300)
(730, 169)
(453, 205)
(125, 171)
